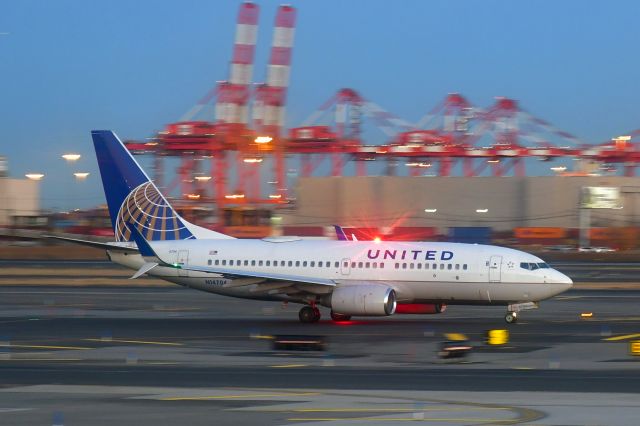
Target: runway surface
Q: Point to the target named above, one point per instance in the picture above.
(167, 355)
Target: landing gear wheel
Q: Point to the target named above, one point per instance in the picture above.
(308, 314)
(511, 317)
(339, 317)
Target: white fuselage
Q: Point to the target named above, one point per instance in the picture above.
(420, 272)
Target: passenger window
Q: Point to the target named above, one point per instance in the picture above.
(209, 262)
(375, 265)
(457, 266)
(290, 263)
(320, 264)
(419, 265)
(282, 262)
(367, 265)
(449, 266)
(238, 262)
(337, 264)
(297, 263)
(353, 264)
(464, 267)
(404, 265)
(268, 263)
(312, 264)
(359, 264)
(411, 266)
(253, 263)
(442, 266)
(397, 266)
(304, 264)
(231, 262)
(381, 265)
(346, 264)
(217, 262)
(224, 262)
(260, 263)
(435, 266)
(246, 263)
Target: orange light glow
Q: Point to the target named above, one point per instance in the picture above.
(377, 240)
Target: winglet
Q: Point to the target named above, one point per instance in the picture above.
(340, 233)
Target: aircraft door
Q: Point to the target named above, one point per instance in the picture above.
(495, 268)
(183, 259)
(345, 266)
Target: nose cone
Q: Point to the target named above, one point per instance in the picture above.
(564, 282)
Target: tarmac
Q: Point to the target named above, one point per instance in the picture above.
(146, 355)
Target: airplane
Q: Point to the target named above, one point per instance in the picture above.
(350, 277)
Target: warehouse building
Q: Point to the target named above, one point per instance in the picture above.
(19, 199)
(501, 203)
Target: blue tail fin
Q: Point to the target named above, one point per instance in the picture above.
(340, 235)
(132, 197)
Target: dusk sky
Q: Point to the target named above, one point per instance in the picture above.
(132, 66)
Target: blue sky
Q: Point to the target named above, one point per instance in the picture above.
(71, 66)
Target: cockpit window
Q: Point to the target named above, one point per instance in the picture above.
(530, 266)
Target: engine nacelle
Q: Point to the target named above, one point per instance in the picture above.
(365, 300)
(420, 308)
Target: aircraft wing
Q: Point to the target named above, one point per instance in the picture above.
(96, 244)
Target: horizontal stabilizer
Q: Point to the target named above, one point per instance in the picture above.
(123, 247)
(144, 269)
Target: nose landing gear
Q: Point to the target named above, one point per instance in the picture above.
(512, 310)
(511, 317)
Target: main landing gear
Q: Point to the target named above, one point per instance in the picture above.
(309, 314)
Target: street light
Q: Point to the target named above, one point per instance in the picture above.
(482, 210)
(263, 139)
(71, 157)
(81, 175)
(203, 178)
(34, 176)
(430, 210)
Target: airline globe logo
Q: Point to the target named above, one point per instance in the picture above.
(147, 210)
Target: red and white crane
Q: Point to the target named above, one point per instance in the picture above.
(232, 104)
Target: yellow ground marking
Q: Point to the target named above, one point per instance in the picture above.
(398, 419)
(142, 342)
(11, 345)
(623, 337)
(389, 410)
(262, 337)
(456, 336)
(288, 366)
(248, 395)
(177, 309)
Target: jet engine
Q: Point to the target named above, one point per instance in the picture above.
(365, 300)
